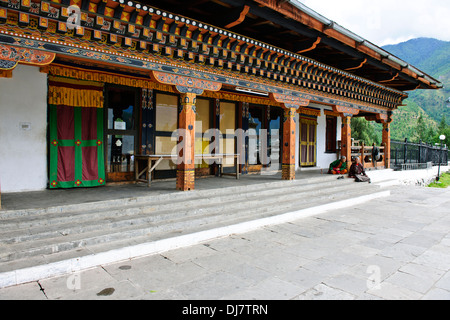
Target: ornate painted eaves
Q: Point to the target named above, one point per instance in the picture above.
(11, 56)
(134, 37)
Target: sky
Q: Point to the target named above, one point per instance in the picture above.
(385, 22)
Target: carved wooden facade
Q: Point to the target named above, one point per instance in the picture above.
(138, 45)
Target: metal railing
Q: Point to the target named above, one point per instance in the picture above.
(407, 155)
(416, 166)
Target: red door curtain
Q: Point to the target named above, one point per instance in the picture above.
(76, 133)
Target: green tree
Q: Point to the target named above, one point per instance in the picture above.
(443, 124)
(421, 130)
(430, 134)
(365, 131)
(443, 129)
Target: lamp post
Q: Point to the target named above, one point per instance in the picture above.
(442, 138)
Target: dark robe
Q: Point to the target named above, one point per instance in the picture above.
(357, 171)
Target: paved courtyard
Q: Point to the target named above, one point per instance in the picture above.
(396, 247)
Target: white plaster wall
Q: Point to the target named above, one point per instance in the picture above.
(23, 153)
(323, 159)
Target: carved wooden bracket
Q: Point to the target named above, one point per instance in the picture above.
(380, 117)
(345, 111)
(384, 118)
(186, 84)
(314, 45)
(240, 19)
(289, 101)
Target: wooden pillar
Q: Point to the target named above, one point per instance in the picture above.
(346, 139)
(346, 132)
(186, 142)
(290, 105)
(189, 88)
(288, 160)
(6, 73)
(362, 151)
(386, 139)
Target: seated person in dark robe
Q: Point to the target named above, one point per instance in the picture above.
(357, 171)
(339, 166)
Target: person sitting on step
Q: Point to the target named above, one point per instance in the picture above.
(357, 171)
(338, 166)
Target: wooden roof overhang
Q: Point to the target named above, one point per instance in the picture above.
(297, 29)
(138, 38)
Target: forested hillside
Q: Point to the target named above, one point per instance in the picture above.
(432, 56)
(426, 113)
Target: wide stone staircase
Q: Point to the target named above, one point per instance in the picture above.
(40, 243)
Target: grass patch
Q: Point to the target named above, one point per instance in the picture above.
(444, 181)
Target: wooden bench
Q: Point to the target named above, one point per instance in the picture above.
(153, 160)
(365, 154)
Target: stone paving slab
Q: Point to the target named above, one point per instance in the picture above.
(360, 253)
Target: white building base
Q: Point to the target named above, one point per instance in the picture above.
(421, 177)
(23, 130)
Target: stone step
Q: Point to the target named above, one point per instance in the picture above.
(158, 203)
(51, 225)
(164, 197)
(101, 231)
(47, 257)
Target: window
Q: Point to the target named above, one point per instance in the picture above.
(330, 144)
(227, 127)
(166, 123)
(255, 124)
(275, 136)
(166, 112)
(202, 124)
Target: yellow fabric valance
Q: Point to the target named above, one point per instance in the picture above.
(75, 97)
(74, 93)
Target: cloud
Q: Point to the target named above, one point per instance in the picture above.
(388, 21)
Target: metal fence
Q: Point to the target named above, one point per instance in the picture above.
(410, 155)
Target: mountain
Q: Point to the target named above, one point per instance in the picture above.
(431, 56)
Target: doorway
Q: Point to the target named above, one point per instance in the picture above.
(121, 124)
(308, 128)
(275, 137)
